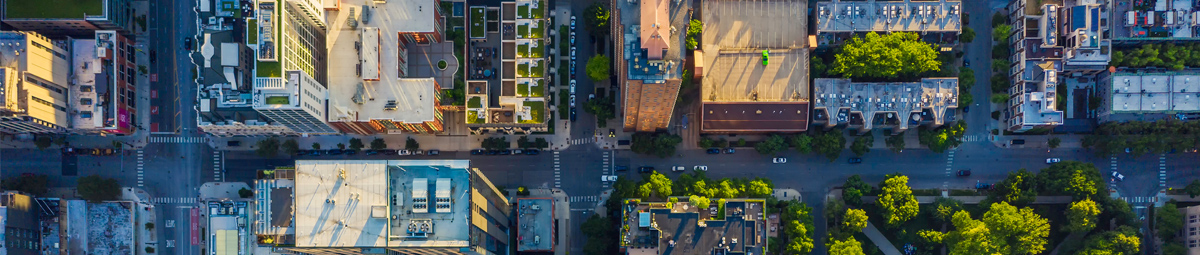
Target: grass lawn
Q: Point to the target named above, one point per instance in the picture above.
(477, 22)
(474, 118)
(539, 31)
(252, 31)
(564, 40)
(268, 69)
(522, 31)
(564, 77)
(538, 70)
(523, 50)
(523, 70)
(475, 102)
(562, 106)
(905, 233)
(538, 50)
(537, 111)
(522, 90)
(539, 11)
(538, 90)
(522, 11)
(53, 8)
(277, 100)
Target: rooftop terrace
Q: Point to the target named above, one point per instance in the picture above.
(890, 16)
(868, 104)
(536, 216)
(655, 228)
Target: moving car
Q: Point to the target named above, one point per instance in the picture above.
(1052, 160)
(608, 178)
(963, 173)
(713, 151)
(620, 168)
(677, 168)
(700, 168)
(645, 169)
(779, 160)
(855, 160)
(1118, 176)
(477, 152)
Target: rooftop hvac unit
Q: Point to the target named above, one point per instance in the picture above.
(390, 106)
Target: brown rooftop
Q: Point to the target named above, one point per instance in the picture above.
(754, 116)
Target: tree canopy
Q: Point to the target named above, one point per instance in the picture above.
(33, 184)
(657, 144)
(854, 220)
(887, 56)
(603, 108)
(849, 246)
(1193, 189)
(267, 147)
(1168, 221)
(595, 19)
(896, 198)
(1071, 178)
(597, 67)
(1019, 188)
(829, 144)
(798, 224)
(1142, 137)
(773, 144)
(802, 143)
(379, 144)
(1004, 229)
(1082, 215)
(1122, 241)
(853, 190)
(94, 188)
(290, 147)
(942, 138)
(411, 144)
(699, 201)
(862, 144)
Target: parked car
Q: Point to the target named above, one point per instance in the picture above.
(982, 185)
(677, 168)
(700, 168)
(351, 152)
(645, 169)
(372, 152)
(572, 114)
(572, 52)
(963, 173)
(779, 160)
(532, 152)
(855, 160)
(572, 22)
(476, 152)
(302, 152)
(1052, 160)
(1118, 176)
(713, 151)
(517, 151)
(187, 44)
(433, 152)
(591, 96)
(505, 152)
(1017, 141)
(572, 101)
(334, 152)
(620, 168)
(572, 86)
(572, 37)
(418, 152)
(493, 152)
(966, 63)
(608, 178)
(404, 153)
(729, 150)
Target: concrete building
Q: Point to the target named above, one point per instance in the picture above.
(36, 88)
(896, 106)
(755, 69)
(19, 221)
(536, 218)
(384, 73)
(651, 65)
(937, 21)
(290, 74)
(384, 206)
(296, 101)
(81, 19)
(1149, 96)
(1154, 21)
(506, 77)
(228, 228)
(662, 228)
(1191, 229)
(91, 228)
(105, 84)
(1056, 38)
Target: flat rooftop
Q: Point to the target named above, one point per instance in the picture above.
(742, 24)
(225, 221)
(888, 16)
(536, 216)
(656, 229)
(382, 203)
(1155, 93)
(755, 116)
(408, 16)
(740, 76)
(1038, 100)
(86, 65)
(100, 228)
(901, 104)
(53, 9)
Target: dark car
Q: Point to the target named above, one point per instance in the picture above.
(505, 152)
(351, 152)
(371, 152)
(963, 173)
(476, 152)
(855, 160)
(1022, 141)
(532, 152)
(713, 151)
(729, 150)
(334, 152)
(314, 153)
(982, 185)
(493, 152)
(620, 168)
(187, 44)
(572, 114)
(302, 152)
(433, 152)
(645, 169)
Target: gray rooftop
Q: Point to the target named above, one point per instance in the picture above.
(536, 219)
(899, 104)
(888, 16)
(1155, 93)
(683, 229)
(1036, 104)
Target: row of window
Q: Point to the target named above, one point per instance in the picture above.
(47, 103)
(46, 85)
(56, 54)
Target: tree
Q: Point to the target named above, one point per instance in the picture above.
(1168, 221)
(897, 200)
(695, 28)
(798, 225)
(660, 184)
(999, 98)
(495, 143)
(540, 143)
(968, 35)
(853, 190)
(854, 221)
(830, 144)
(944, 209)
(378, 144)
(773, 144)
(411, 144)
(895, 142)
(658, 144)
(1053, 142)
(892, 55)
(1016, 231)
(1071, 178)
(150, 226)
(356, 144)
(1193, 189)
(341, 146)
(523, 142)
(601, 235)
(699, 202)
(802, 143)
(603, 108)
(759, 188)
(970, 237)
(1000, 33)
(1174, 249)
(43, 141)
(741, 142)
(1019, 188)
(316, 146)
(862, 144)
(33, 184)
(597, 67)
(1082, 216)
(595, 19)
(245, 193)
(94, 188)
(943, 138)
(849, 246)
(267, 147)
(1122, 241)
(999, 19)
(931, 237)
(290, 147)
(966, 78)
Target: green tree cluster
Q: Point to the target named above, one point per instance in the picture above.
(267, 147)
(496, 143)
(604, 108)
(830, 144)
(695, 28)
(1000, 33)
(773, 144)
(854, 221)
(1142, 137)
(854, 189)
(1122, 241)
(699, 184)
(290, 147)
(94, 188)
(601, 236)
(895, 142)
(699, 201)
(848, 246)
(1174, 56)
(798, 227)
(1004, 229)
(896, 198)
(942, 138)
(596, 18)
(862, 144)
(598, 67)
(802, 143)
(1193, 189)
(890, 56)
(968, 35)
(1071, 178)
(379, 144)
(657, 144)
(356, 144)
(944, 209)
(1168, 221)
(1082, 215)
(1020, 188)
(33, 184)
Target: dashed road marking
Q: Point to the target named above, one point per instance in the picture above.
(174, 200)
(949, 166)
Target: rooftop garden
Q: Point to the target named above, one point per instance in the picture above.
(538, 50)
(522, 31)
(252, 31)
(268, 69)
(523, 89)
(277, 100)
(523, 11)
(477, 22)
(50, 9)
(537, 110)
(539, 10)
(858, 58)
(538, 31)
(523, 70)
(538, 90)
(537, 70)
(523, 50)
(473, 117)
(475, 102)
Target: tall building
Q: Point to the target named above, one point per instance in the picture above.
(937, 21)
(506, 86)
(36, 87)
(19, 221)
(755, 68)
(1050, 40)
(1190, 233)
(651, 72)
(296, 101)
(680, 228)
(383, 206)
(80, 20)
(105, 83)
(1158, 21)
(290, 74)
(897, 106)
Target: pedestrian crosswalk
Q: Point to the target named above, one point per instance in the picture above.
(218, 165)
(581, 141)
(974, 138)
(1162, 171)
(174, 200)
(141, 173)
(575, 199)
(557, 171)
(177, 139)
(605, 169)
(949, 166)
(1138, 200)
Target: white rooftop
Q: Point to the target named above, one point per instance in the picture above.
(334, 200)
(85, 65)
(889, 16)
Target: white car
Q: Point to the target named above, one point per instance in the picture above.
(572, 87)
(676, 168)
(572, 100)
(572, 22)
(404, 153)
(608, 178)
(1052, 160)
(1118, 176)
(700, 168)
(572, 37)
(572, 53)
(591, 96)
(779, 160)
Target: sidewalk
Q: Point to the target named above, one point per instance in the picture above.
(144, 217)
(558, 141)
(978, 199)
(876, 237)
